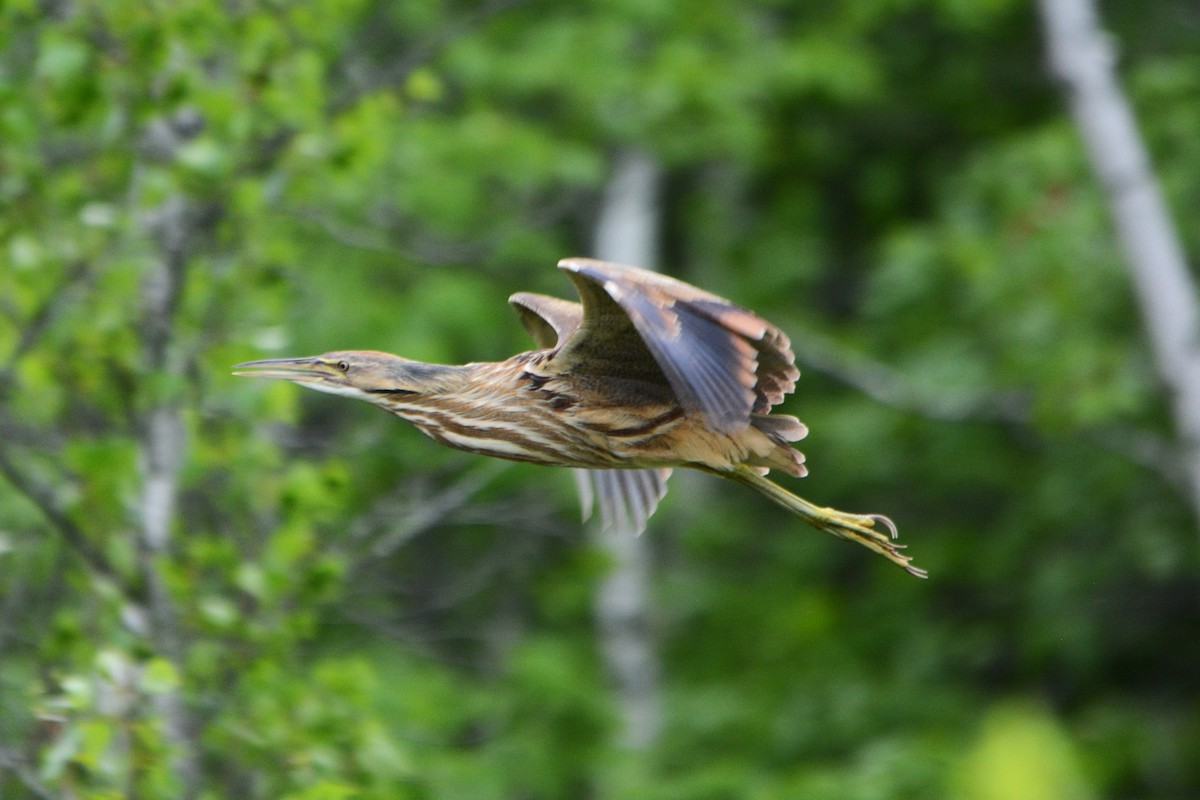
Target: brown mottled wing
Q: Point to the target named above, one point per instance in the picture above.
(718, 358)
(549, 320)
(626, 497)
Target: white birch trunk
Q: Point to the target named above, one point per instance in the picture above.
(161, 445)
(627, 232)
(1082, 57)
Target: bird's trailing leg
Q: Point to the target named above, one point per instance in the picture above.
(859, 528)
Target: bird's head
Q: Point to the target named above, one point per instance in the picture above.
(364, 374)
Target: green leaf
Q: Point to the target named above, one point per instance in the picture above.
(159, 676)
(61, 59)
(203, 155)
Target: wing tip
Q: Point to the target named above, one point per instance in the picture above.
(576, 263)
(582, 265)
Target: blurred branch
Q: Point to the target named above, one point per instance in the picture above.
(1009, 407)
(14, 762)
(379, 239)
(1082, 57)
(43, 498)
(422, 618)
(460, 586)
(12, 600)
(1145, 449)
(891, 388)
(33, 329)
(416, 519)
(425, 610)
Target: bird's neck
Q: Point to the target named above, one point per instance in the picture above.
(423, 386)
(413, 384)
(469, 387)
(434, 379)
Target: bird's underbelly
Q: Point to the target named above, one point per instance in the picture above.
(522, 446)
(528, 440)
(663, 436)
(684, 440)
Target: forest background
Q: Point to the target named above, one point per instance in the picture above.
(212, 587)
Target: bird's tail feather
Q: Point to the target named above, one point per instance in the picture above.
(859, 528)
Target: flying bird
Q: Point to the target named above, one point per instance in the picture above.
(645, 374)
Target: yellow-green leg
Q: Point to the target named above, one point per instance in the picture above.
(852, 527)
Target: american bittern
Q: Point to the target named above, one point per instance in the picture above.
(648, 374)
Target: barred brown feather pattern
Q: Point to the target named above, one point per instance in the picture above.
(490, 418)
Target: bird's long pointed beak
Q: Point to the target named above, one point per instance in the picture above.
(299, 370)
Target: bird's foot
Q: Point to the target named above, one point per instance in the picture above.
(862, 528)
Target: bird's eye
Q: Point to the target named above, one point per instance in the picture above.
(343, 366)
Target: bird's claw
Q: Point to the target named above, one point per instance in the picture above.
(861, 528)
(885, 522)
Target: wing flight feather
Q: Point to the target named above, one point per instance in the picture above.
(626, 497)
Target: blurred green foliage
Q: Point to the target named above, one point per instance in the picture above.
(360, 613)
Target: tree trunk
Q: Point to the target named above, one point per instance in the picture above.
(1082, 56)
(627, 232)
(161, 445)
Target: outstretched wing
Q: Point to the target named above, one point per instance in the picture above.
(718, 358)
